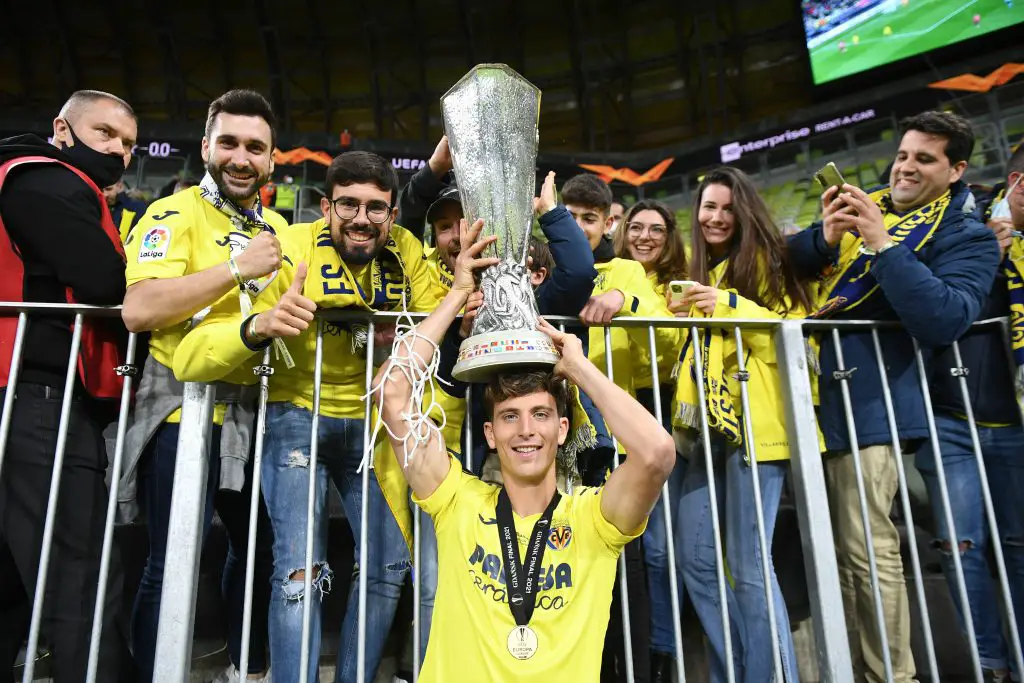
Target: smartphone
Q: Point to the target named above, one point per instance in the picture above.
(678, 289)
(829, 176)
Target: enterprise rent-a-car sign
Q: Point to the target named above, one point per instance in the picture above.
(734, 150)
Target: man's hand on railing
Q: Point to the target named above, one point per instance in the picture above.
(261, 257)
(292, 314)
(602, 308)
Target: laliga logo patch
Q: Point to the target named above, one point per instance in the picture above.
(155, 244)
(559, 537)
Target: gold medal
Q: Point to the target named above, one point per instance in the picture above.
(522, 642)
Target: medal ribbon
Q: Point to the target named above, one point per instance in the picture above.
(521, 580)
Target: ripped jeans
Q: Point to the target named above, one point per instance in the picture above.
(286, 490)
(1003, 451)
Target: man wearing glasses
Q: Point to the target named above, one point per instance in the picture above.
(355, 258)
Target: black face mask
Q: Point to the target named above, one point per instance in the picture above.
(103, 169)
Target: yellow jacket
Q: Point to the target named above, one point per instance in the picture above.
(667, 343)
(630, 346)
(764, 389)
(215, 347)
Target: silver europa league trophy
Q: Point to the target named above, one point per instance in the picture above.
(490, 117)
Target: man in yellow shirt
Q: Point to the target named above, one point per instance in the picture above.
(208, 250)
(355, 257)
(538, 604)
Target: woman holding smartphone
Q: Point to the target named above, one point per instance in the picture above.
(741, 268)
(649, 234)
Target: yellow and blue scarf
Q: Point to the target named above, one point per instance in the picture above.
(721, 409)
(331, 284)
(1013, 269)
(846, 284)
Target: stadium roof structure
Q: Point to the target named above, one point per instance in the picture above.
(615, 74)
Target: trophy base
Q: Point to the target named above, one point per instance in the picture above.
(483, 355)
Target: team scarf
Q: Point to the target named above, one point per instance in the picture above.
(849, 283)
(1013, 270)
(245, 222)
(331, 284)
(718, 399)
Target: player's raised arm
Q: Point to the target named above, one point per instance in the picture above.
(634, 486)
(427, 468)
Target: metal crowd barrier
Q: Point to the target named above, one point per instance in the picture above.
(832, 650)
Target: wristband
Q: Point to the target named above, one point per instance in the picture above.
(235, 272)
(250, 330)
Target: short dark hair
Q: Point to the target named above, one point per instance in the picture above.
(350, 168)
(955, 128)
(506, 385)
(541, 254)
(243, 103)
(1016, 162)
(586, 189)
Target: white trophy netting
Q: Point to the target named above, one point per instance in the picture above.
(420, 372)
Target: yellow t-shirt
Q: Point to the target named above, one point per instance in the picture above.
(184, 234)
(343, 376)
(572, 607)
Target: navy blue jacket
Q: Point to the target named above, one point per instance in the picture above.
(936, 293)
(985, 353)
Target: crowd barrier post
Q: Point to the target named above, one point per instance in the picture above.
(185, 535)
(811, 498)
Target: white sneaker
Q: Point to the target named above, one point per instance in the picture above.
(231, 675)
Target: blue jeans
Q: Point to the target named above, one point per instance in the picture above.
(156, 482)
(286, 490)
(1003, 451)
(745, 596)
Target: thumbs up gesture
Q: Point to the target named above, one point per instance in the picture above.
(292, 314)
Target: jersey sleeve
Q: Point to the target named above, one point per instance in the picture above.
(441, 502)
(422, 279)
(159, 246)
(588, 504)
(216, 347)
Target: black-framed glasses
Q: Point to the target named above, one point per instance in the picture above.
(655, 230)
(377, 211)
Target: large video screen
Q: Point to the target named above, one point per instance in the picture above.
(845, 37)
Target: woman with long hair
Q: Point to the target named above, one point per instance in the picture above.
(648, 234)
(740, 261)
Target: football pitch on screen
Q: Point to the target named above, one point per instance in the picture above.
(916, 26)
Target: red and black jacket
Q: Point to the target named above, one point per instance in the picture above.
(101, 351)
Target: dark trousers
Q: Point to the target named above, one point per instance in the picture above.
(156, 482)
(77, 540)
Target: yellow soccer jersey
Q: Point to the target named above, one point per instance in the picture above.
(575, 583)
(343, 381)
(630, 345)
(184, 234)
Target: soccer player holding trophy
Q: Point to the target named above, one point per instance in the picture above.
(525, 570)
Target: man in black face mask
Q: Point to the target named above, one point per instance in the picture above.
(58, 244)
